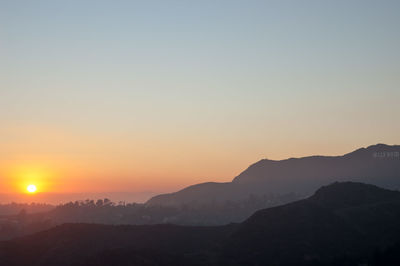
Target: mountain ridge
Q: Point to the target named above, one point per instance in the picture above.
(377, 164)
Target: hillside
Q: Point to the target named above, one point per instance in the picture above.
(377, 164)
(338, 221)
(341, 224)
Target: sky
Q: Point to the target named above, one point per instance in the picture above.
(135, 96)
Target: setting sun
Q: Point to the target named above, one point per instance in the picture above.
(31, 188)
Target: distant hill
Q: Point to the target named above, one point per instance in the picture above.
(378, 165)
(15, 208)
(341, 224)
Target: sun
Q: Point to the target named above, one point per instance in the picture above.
(31, 188)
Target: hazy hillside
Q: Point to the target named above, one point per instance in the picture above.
(341, 224)
(104, 211)
(15, 208)
(378, 165)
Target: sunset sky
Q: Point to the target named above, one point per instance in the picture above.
(110, 96)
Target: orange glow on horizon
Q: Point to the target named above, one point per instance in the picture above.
(29, 178)
(155, 170)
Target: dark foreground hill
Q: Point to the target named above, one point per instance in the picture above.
(341, 224)
(378, 165)
(343, 220)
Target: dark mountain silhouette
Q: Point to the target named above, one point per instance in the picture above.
(341, 224)
(378, 165)
(94, 244)
(343, 220)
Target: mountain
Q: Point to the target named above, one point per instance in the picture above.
(378, 164)
(344, 223)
